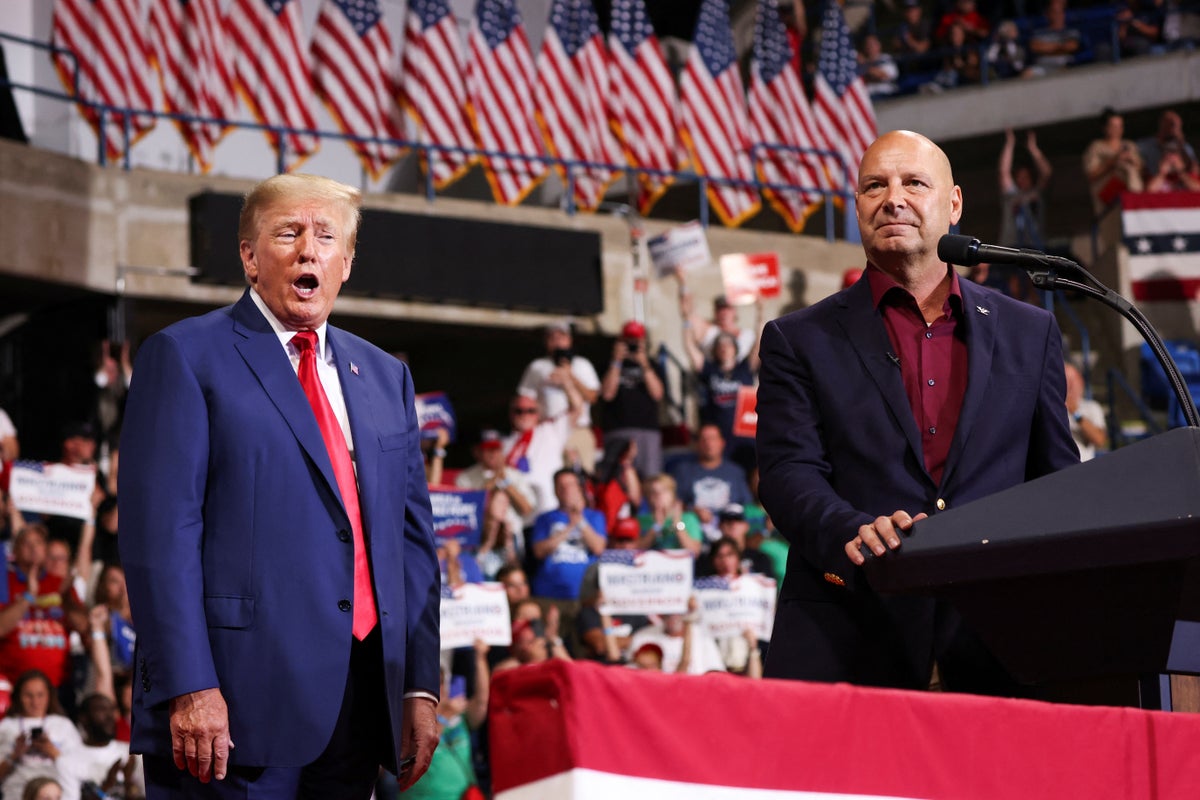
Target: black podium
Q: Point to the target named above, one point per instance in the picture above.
(1089, 573)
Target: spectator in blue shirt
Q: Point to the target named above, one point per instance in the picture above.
(566, 540)
(708, 481)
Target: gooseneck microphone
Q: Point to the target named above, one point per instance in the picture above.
(967, 251)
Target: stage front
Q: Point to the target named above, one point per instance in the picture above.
(582, 731)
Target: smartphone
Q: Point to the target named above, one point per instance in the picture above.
(36, 733)
(458, 686)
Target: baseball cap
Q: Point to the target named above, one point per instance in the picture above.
(633, 330)
(78, 429)
(490, 439)
(627, 528)
(733, 512)
(721, 301)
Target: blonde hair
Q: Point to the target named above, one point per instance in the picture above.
(298, 189)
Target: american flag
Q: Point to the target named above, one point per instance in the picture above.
(432, 89)
(642, 102)
(1162, 233)
(500, 92)
(842, 106)
(780, 114)
(715, 127)
(572, 97)
(193, 63)
(354, 72)
(273, 74)
(112, 56)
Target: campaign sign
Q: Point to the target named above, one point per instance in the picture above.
(56, 489)
(728, 607)
(457, 514)
(645, 581)
(434, 412)
(748, 276)
(682, 248)
(475, 611)
(745, 413)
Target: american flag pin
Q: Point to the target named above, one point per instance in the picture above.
(354, 367)
(982, 310)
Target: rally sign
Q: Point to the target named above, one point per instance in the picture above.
(730, 606)
(745, 414)
(645, 582)
(475, 611)
(682, 248)
(748, 276)
(434, 412)
(457, 514)
(58, 489)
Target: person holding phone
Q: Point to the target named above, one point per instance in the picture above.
(632, 389)
(34, 736)
(551, 378)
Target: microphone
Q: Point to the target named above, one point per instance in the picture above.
(967, 251)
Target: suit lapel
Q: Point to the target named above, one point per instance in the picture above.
(867, 334)
(267, 360)
(981, 316)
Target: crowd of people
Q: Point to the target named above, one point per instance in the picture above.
(943, 44)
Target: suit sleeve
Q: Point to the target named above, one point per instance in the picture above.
(422, 576)
(164, 468)
(1051, 446)
(794, 468)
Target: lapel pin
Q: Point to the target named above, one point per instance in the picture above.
(354, 368)
(982, 310)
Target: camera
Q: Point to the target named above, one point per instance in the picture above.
(632, 345)
(561, 355)
(36, 733)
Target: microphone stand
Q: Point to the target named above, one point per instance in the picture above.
(1045, 276)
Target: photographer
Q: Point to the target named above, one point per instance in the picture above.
(632, 390)
(547, 379)
(34, 736)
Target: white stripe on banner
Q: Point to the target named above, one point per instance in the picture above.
(1149, 221)
(1164, 265)
(587, 784)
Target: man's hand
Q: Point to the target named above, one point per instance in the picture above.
(200, 739)
(418, 740)
(881, 535)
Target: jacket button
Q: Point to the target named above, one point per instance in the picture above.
(344, 605)
(941, 504)
(343, 535)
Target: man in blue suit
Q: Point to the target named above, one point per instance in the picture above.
(276, 531)
(905, 394)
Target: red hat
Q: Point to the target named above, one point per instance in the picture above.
(627, 528)
(490, 439)
(633, 330)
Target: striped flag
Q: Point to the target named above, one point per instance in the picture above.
(715, 128)
(572, 93)
(432, 88)
(780, 114)
(845, 117)
(500, 95)
(271, 65)
(353, 72)
(642, 104)
(111, 64)
(1162, 233)
(197, 79)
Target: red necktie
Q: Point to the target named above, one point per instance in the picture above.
(343, 470)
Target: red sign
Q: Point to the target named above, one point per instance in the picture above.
(748, 276)
(745, 417)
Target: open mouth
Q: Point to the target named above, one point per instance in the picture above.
(306, 285)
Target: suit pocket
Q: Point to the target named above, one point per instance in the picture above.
(393, 441)
(229, 611)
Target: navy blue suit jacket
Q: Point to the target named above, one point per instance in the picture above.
(233, 535)
(838, 446)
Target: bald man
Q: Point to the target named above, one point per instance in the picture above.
(903, 395)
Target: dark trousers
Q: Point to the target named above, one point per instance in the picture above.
(346, 770)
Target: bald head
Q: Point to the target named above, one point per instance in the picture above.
(906, 201)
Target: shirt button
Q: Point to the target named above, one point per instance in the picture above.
(931, 381)
(928, 334)
(343, 535)
(941, 504)
(344, 605)
(933, 430)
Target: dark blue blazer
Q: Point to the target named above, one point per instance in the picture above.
(233, 535)
(838, 446)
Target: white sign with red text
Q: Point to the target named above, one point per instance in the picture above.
(645, 582)
(475, 611)
(57, 489)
